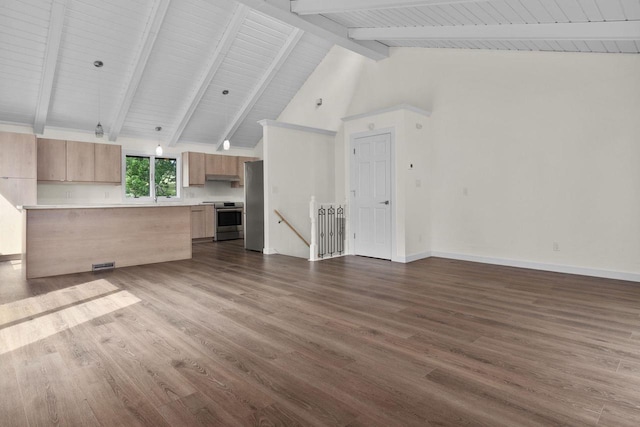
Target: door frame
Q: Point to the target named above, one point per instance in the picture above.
(350, 178)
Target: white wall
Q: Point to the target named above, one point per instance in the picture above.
(529, 148)
(334, 80)
(297, 165)
(67, 193)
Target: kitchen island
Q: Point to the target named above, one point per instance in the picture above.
(71, 239)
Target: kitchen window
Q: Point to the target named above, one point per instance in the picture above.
(150, 177)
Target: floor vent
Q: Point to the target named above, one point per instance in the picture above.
(103, 266)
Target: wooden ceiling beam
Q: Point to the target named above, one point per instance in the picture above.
(214, 63)
(262, 85)
(315, 7)
(619, 30)
(148, 40)
(54, 38)
(320, 26)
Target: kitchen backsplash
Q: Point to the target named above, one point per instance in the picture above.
(78, 194)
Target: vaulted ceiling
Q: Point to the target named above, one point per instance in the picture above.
(166, 62)
(611, 26)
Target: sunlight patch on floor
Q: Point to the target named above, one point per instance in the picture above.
(31, 331)
(33, 306)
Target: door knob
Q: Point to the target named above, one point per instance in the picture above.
(386, 202)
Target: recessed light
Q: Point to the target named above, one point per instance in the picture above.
(98, 64)
(158, 128)
(225, 92)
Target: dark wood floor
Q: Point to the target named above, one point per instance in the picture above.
(234, 338)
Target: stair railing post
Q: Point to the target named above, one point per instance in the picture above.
(313, 215)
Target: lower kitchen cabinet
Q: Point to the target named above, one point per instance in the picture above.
(201, 222)
(208, 221)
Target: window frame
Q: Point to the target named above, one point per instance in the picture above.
(152, 178)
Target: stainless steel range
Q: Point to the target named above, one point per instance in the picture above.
(227, 220)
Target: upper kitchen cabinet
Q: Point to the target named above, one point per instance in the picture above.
(240, 166)
(200, 167)
(219, 165)
(108, 163)
(193, 169)
(17, 155)
(80, 161)
(52, 160)
(73, 161)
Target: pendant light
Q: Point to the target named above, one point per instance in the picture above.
(226, 144)
(158, 148)
(99, 130)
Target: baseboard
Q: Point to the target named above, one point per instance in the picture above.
(557, 268)
(202, 240)
(413, 257)
(269, 251)
(10, 257)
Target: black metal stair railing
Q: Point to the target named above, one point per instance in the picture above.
(330, 230)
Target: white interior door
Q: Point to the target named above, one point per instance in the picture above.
(371, 195)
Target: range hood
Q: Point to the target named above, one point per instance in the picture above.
(222, 177)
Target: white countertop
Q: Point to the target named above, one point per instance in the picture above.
(131, 205)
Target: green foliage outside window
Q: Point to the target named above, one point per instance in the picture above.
(166, 178)
(138, 177)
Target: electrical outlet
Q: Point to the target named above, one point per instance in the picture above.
(418, 183)
(556, 247)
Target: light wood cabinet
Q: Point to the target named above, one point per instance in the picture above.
(17, 155)
(18, 187)
(193, 168)
(217, 164)
(241, 161)
(73, 161)
(197, 222)
(18, 192)
(209, 229)
(201, 222)
(197, 166)
(52, 160)
(63, 241)
(108, 163)
(80, 161)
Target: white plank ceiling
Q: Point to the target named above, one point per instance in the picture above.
(546, 25)
(166, 62)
